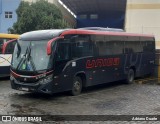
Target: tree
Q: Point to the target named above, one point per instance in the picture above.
(37, 16)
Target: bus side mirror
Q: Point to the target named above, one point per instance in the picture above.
(49, 44)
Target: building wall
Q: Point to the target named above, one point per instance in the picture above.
(143, 16)
(8, 6)
(110, 19)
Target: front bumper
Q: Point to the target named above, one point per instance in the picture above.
(33, 87)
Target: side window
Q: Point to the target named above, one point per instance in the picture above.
(109, 45)
(128, 47)
(116, 45)
(148, 46)
(82, 46)
(133, 46)
(101, 45)
(1, 46)
(10, 47)
(137, 47)
(151, 46)
(4, 40)
(63, 51)
(109, 48)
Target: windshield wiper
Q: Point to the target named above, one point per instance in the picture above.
(19, 49)
(30, 58)
(22, 59)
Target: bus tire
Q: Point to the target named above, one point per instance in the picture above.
(77, 86)
(130, 76)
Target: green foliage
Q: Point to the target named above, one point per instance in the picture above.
(37, 16)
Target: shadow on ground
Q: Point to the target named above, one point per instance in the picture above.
(87, 90)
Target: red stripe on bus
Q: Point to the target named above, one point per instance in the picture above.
(78, 31)
(17, 75)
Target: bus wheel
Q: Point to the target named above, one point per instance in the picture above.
(130, 76)
(77, 86)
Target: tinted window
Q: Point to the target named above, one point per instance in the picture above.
(117, 44)
(151, 46)
(148, 46)
(117, 47)
(102, 47)
(1, 46)
(101, 44)
(133, 46)
(83, 16)
(93, 16)
(82, 46)
(2, 41)
(10, 47)
(109, 45)
(63, 51)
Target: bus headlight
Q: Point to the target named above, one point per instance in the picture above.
(47, 79)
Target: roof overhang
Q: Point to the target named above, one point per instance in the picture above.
(79, 7)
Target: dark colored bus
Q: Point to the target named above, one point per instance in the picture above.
(51, 61)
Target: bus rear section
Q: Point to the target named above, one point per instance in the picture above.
(51, 61)
(7, 43)
(139, 56)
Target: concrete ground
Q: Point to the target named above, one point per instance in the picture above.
(111, 99)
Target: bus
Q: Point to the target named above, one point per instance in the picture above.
(7, 43)
(57, 60)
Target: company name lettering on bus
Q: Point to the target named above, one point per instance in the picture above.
(102, 62)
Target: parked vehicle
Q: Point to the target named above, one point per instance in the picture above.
(7, 43)
(51, 61)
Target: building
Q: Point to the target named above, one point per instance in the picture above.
(136, 16)
(98, 13)
(8, 14)
(90, 13)
(67, 16)
(143, 16)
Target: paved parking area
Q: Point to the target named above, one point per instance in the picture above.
(109, 99)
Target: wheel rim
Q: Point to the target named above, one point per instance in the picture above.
(77, 86)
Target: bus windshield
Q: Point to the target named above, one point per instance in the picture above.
(31, 56)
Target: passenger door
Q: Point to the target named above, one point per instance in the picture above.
(62, 55)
